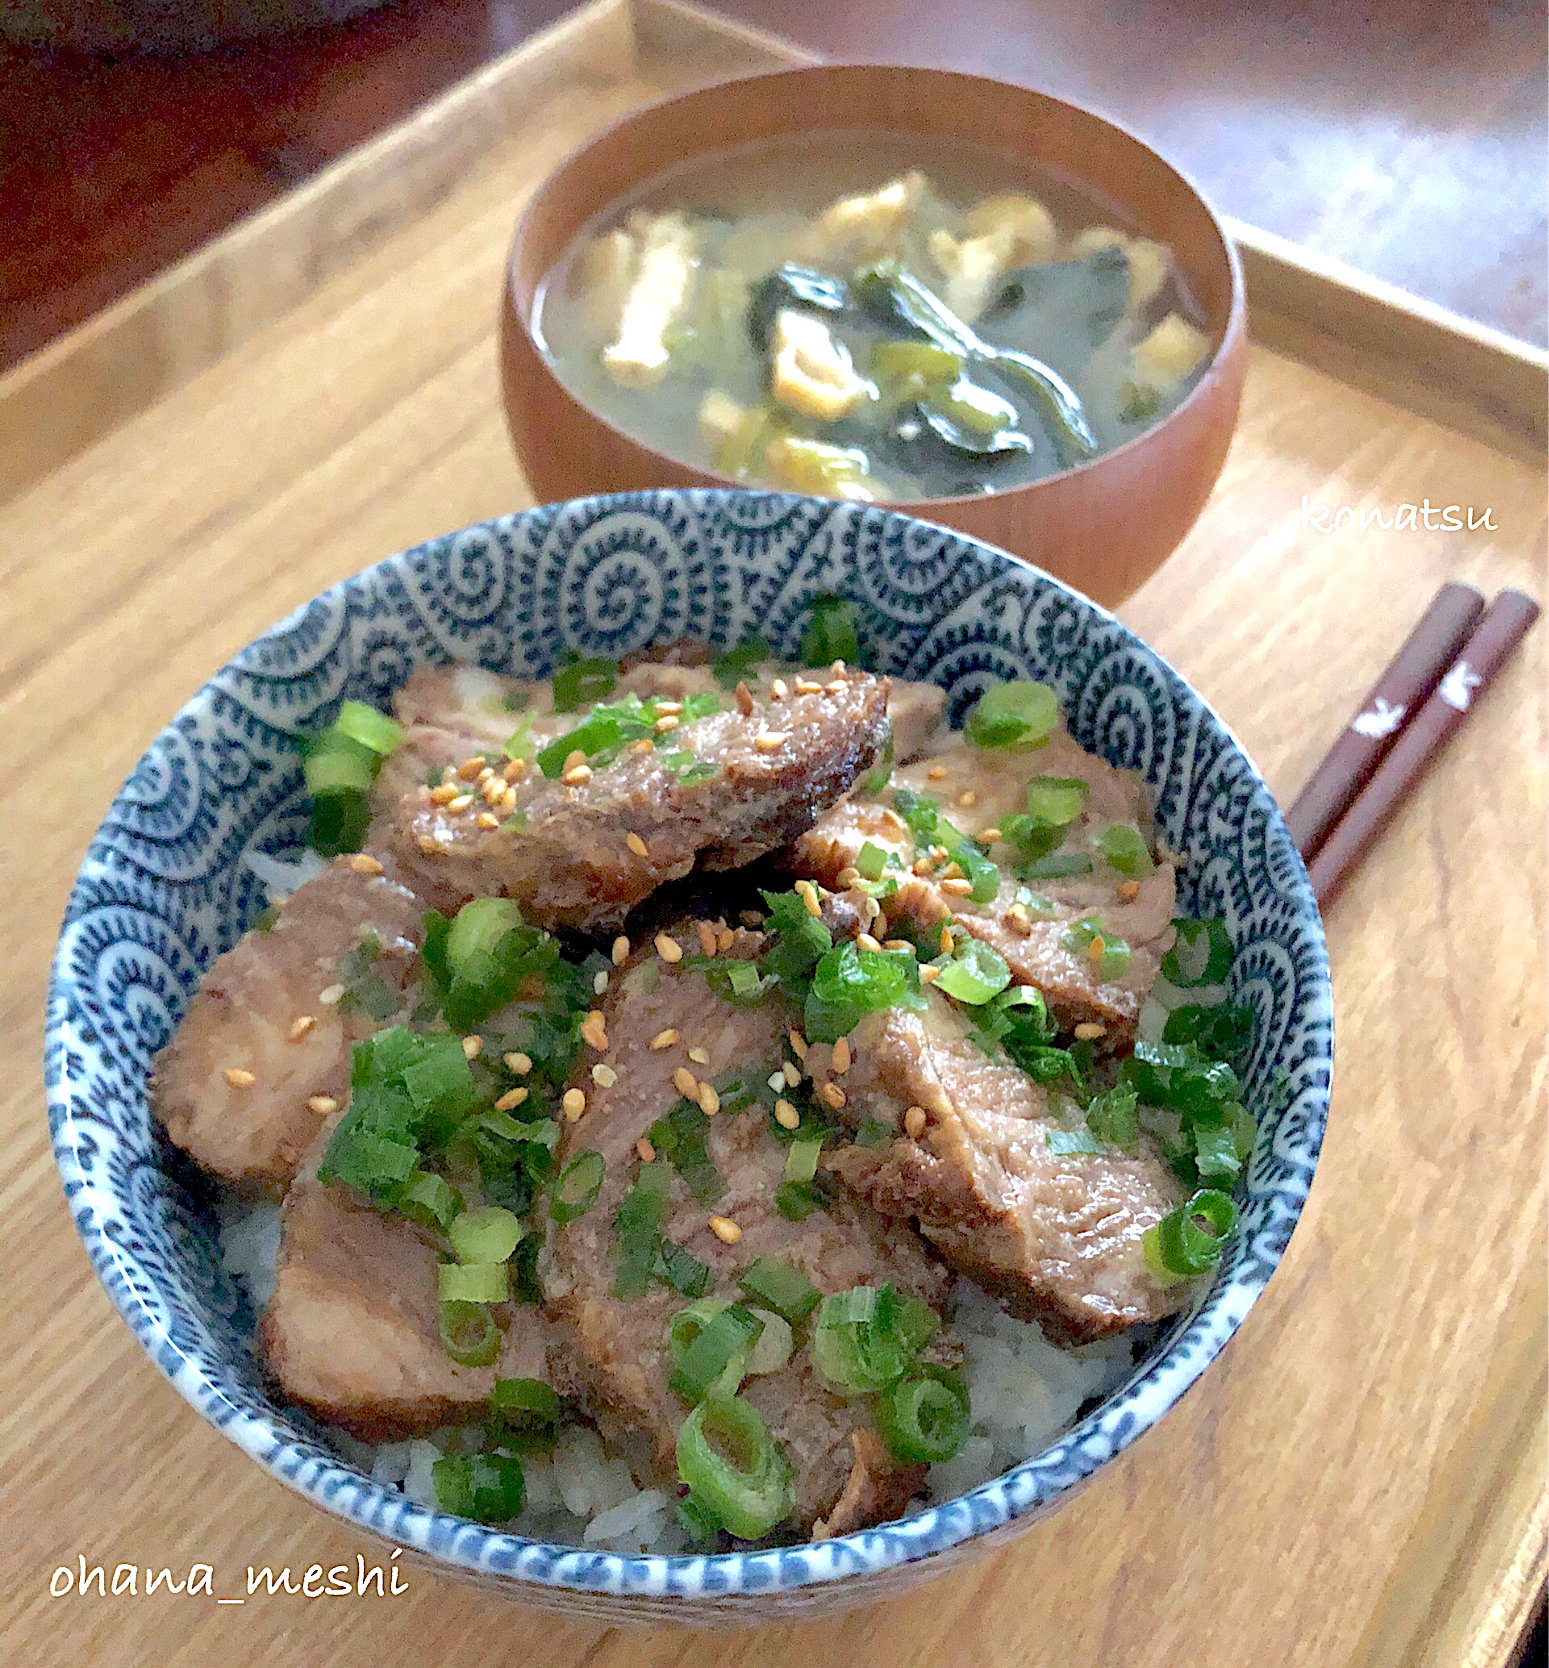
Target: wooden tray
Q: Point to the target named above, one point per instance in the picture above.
(1359, 1481)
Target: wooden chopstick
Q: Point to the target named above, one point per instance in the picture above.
(1419, 743)
(1409, 680)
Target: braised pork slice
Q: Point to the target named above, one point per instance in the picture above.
(663, 1028)
(1058, 1235)
(582, 849)
(1029, 924)
(263, 1054)
(353, 1329)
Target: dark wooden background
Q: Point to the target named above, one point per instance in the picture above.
(1404, 136)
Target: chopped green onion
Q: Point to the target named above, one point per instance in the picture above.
(473, 1282)
(1215, 1152)
(877, 779)
(1068, 1141)
(867, 1337)
(681, 1269)
(697, 1518)
(376, 1165)
(796, 1201)
(1201, 954)
(523, 1402)
(1019, 714)
(871, 860)
(708, 1345)
(1189, 1240)
(849, 983)
(982, 875)
(1222, 1032)
(578, 683)
(801, 1160)
(430, 1200)
(925, 1416)
(1123, 848)
(772, 1347)
(679, 1137)
(469, 1333)
(636, 1224)
(577, 1188)
(874, 1132)
(479, 927)
(489, 1488)
(1058, 865)
(779, 1286)
(1111, 961)
(373, 729)
(973, 973)
(1056, 800)
(734, 1467)
(735, 665)
(831, 633)
(800, 939)
(330, 768)
(1112, 1117)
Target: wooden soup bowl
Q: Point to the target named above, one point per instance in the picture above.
(1104, 526)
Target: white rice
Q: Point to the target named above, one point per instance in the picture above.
(281, 876)
(1023, 1390)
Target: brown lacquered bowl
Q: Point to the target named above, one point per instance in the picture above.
(1104, 526)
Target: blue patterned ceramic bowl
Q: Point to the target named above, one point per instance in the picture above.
(163, 891)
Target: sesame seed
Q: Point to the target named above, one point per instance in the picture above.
(364, 864)
(511, 1099)
(636, 844)
(923, 865)
(574, 757)
(957, 886)
(778, 691)
(687, 1085)
(725, 1230)
(620, 950)
(675, 708)
(515, 770)
(1129, 891)
(493, 788)
(471, 766)
(645, 1151)
(238, 1078)
(798, 1044)
(953, 871)
(805, 686)
(837, 668)
(831, 1094)
(724, 939)
(789, 1074)
(322, 1105)
(709, 1100)
(440, 796)
(809, 896)
(574, 1103)
(644, 745)
(664, 1039)
(897, 944)
(771, 741)
(947, 942)
(1089, 1031)
(914, 1122)
(837, 687)
(786, 1115)
(847, 877)
(842, 1056)
(706, 937)
(744, 700)
(594, 1029)
(599, 981)
(461, 803)
(935, 773)
(484, 775)
(967, 798)
(929, 974)
(428, 844)
(300, 1025)
(331, 995)
(668, 721)
(604, 1076)
(1018, 914)
(487, 819)
(519, 1063)
(777, 1081)
(987, 836)
(473, 1047)
(1096, 950)
(699, 1056)
(867, 942)
(576, 775)
(669, 949)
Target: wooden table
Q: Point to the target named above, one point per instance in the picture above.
(1358, 1482)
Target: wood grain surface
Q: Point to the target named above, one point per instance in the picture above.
(1357, 1481)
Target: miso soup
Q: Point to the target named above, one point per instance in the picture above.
(867, 315)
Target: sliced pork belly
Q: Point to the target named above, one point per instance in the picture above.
(352, 1331)
(1058, 1235)
(617, 1348)
(1026, 924)
(582, 850)
(263, 1053)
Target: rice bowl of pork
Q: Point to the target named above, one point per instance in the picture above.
(215, 812)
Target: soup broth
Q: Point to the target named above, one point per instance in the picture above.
(869, 315)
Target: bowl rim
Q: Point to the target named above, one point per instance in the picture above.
(1233, 334)
(725, 1580)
